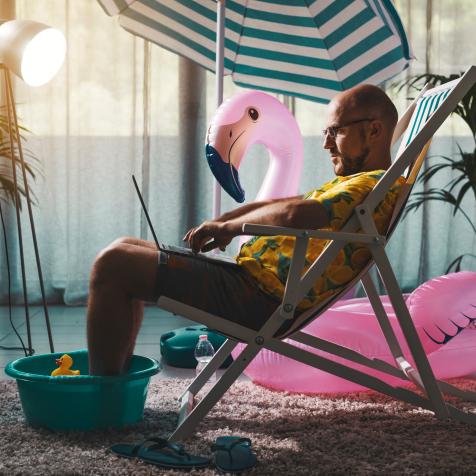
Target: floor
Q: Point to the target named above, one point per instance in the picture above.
(68, 327)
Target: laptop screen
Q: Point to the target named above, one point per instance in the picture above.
(146, 212)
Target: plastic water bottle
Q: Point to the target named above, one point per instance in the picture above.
(204, 352)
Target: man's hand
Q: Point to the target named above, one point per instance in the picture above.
(209, 235)
(294, 212)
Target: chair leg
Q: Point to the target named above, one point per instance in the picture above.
(187, 399)
(423, 374)
(389, 334)
(189, 423)
(348, 373)
(222, 353)
(381, 316)
(375, 383)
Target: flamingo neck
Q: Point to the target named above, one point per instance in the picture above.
(275, 183)
(284, 169)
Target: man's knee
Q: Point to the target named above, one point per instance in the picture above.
(123, 239)
(108, 264)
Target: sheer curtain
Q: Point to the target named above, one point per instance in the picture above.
(423, 246)
(121, 106)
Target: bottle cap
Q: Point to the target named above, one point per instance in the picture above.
(203, 337)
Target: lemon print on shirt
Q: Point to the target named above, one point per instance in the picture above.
(268, 258)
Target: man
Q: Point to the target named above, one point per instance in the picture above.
(360, 124)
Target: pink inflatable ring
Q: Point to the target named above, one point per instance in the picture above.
(441, 309)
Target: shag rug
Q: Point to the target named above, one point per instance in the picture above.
(363, 433)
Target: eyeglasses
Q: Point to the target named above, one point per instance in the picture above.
(333, 130)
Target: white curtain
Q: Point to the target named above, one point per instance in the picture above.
(441, 34)
(121, 105)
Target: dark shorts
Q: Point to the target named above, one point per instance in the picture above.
(225, 290)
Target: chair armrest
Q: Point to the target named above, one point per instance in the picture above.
(270, 230)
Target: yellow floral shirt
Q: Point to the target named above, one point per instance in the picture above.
(268, 258)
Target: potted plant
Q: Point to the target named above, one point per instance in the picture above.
(464, 163)
(7, 193)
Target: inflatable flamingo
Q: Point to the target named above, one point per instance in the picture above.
(254, 117)
(243, 120)
(441, 310)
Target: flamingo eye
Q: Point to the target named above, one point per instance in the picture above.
(253, 113)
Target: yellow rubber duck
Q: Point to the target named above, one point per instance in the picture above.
(64, 362)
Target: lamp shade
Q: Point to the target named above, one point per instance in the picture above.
(32, 50)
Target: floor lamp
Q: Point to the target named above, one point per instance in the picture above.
(34, 52)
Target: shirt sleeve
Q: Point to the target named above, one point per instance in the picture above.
(323, 188)
(340, 200)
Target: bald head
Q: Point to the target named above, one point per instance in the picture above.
(360, 126)
(369, 100)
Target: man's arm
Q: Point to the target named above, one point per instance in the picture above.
(292, 212)
(240, 211)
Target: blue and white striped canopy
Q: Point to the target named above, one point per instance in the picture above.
(425, 107)
(306, 48)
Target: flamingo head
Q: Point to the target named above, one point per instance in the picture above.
(239, 122)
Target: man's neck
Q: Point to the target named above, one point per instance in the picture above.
(377, 163)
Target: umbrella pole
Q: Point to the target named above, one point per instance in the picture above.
(220, 53)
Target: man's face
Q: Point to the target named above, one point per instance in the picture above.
(346, 139)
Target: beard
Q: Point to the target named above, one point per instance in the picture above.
(349, 166)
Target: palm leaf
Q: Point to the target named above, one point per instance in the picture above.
(432, 170)
(32, 167)
(7, 192)
(469, 165)
(457, 263)
(32, 164)
(452, 184)
(460, 196)
(419, 198)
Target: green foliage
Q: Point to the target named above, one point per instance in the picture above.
(464, 163)
(7, 193)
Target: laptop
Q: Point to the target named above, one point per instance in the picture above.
(179, 250)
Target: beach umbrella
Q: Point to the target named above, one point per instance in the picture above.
(310, 49)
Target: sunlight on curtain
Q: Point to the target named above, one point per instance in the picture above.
(88, 125)
(121, 106)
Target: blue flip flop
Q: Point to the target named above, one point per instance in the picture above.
(160, 452)
(233, 454)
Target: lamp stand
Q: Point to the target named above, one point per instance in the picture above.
(14, 134)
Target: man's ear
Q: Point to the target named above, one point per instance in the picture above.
(376, 129)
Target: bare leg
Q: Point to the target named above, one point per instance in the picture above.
(135, 241)
(123, 275)
(137, 316)
(137, 305)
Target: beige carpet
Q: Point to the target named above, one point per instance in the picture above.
(291, 434)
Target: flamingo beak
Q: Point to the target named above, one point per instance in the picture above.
(225, 173)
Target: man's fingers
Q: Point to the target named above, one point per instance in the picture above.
(187, 235)
(198, 239)
(209, 246)
(205, 237)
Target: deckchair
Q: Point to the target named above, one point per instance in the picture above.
(417, 126)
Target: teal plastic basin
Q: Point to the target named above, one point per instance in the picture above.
(83, 402)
